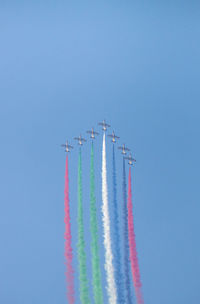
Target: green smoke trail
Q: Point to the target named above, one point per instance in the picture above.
(96, 273)
(84, 295)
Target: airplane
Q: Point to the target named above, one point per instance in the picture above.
(80, 140)
(104, 125)
(131, 160)
(113, 137)
(92, 133)
(124, 149)
(67, 147)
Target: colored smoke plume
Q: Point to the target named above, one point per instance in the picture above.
(111, 288)
(116, 239)
(132, 243)
(96, 273)
(128, 297)
(68, 240)
(84, 295)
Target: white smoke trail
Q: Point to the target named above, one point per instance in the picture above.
(111, 288)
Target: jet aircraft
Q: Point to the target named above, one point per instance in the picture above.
(67, 147)
(80, 139)
(131, 160)
(124, 149)
(113, 137)
(104, 125)
(92, 133)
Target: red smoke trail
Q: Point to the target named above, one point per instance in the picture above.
(132, 244)
(68, 239)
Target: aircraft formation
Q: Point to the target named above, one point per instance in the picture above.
(93, 134)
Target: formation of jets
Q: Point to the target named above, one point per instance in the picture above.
(93, 135)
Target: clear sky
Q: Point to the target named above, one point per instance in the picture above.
(63, 68)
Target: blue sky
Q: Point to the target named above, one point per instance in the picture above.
(63, 68)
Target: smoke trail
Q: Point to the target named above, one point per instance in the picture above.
(116, 239)
(126, 241)
(84, 296)
(68, 239)
(133, 253)
(111, 288)
(98, 296)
